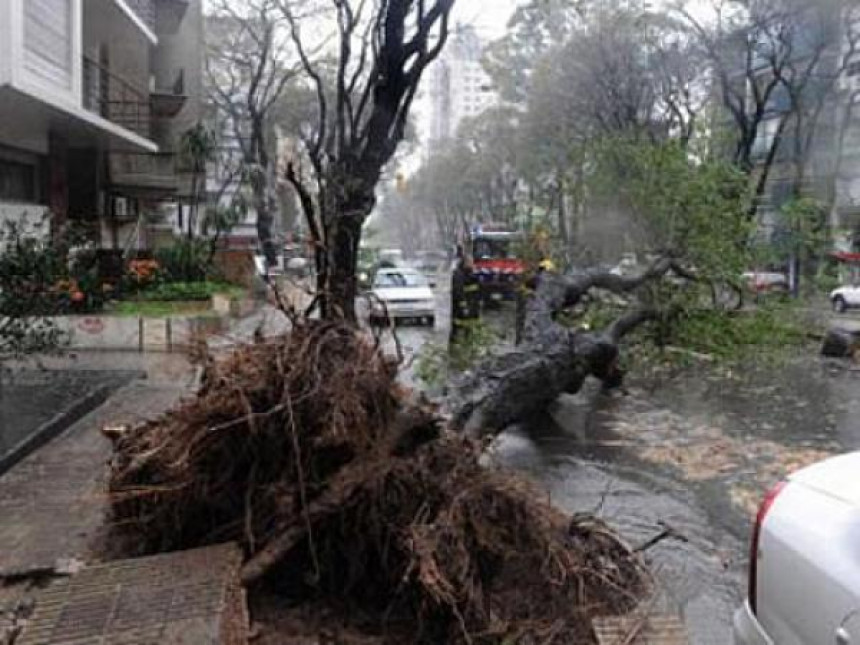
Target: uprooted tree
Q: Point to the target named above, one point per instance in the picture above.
(346, 492)
(364, 93)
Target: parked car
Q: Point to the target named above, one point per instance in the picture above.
(402, 294)
(766, 282)
(804, 578)
(845, 297)
(391, 257)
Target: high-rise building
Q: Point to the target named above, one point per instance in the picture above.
(458, 86)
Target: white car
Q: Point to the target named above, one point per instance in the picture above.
(402, 294)
(804, 584)
(845, 297)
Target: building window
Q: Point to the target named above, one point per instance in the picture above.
(17, 181)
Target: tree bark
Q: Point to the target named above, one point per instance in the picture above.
(552, 359)
(339, 285)
(562, 212)
(265, 208)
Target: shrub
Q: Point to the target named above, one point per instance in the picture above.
(436, 362)
(29, 272)
(184, 291)
(186, 261)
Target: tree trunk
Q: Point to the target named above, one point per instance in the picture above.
(264, 205)
(562, 213)
(338, 284)
(765, 168)
(552, 359)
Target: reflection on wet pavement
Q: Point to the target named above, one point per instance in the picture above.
(694, 453)
(699, 578)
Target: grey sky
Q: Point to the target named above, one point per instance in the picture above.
(489, 16)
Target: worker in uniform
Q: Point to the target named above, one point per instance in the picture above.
(465, 296)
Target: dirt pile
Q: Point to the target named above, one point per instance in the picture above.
(344, 494)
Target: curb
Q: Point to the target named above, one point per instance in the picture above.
(59, 423)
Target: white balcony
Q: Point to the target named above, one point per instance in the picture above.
(42, 77)
(142, 15)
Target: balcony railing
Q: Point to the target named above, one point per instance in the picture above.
(115, 99)
(154, 174)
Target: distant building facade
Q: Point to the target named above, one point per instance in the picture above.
(458, 86)
(826, 148)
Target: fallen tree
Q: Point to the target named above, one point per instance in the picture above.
(552, 358)
(345, 490)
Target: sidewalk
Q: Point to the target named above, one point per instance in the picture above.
(52, 503)
(53, 589)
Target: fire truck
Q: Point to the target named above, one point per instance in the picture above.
(498, 265)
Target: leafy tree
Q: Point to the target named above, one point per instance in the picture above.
(198, 147)
(776, 64)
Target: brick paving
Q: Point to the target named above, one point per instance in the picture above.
(630, 630)
(53, 590)
(191, 597)
(52, 503)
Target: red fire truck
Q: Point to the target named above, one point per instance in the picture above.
(498, 265)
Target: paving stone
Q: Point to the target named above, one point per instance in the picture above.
(188, 598)
(657, 630)
(52, 504)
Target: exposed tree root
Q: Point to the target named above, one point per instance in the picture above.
(345, 493)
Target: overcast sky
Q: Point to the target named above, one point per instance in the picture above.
(488, 16)
(491, 16)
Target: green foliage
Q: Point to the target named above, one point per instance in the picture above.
(160, 308)
(186, 261)
(197, 145)
(770, 331)
(693, 208)
(803, 229)
(436, 361)
(771, 334)
(186, 291)
(29, 271)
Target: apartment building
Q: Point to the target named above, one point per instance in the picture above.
(823, 149)
(458, 86)
(94, 97)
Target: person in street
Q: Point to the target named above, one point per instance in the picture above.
(465, 296)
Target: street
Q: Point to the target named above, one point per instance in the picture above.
(692, 454)
(681, 462)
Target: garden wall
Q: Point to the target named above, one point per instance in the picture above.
(142, 334)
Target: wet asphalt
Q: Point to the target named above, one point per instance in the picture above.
(689, 455)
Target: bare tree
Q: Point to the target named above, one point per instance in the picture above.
(247, 69)
(775, 65)
(364, 92)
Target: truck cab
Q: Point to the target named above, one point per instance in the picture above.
(497, 262)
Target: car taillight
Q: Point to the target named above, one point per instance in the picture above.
(763, 510)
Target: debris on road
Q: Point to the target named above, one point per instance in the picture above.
(347, 495)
